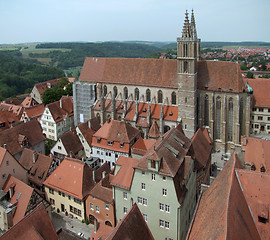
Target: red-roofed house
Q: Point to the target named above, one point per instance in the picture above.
(57, 118)
(37, 225)
(39, 89)
(7, 119)
(68, 186)
(112, 140)
(38, 167)
(257, 152)
(32, 112)
(23, 135)
(17, 200)
(260, 119)
(132, 227)
(9, 165)
(85, 132)
(141, 146)
(162, 183)
(100, 204)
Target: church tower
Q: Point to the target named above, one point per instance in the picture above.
(188, 52)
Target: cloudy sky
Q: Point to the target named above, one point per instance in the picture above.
(148, 20)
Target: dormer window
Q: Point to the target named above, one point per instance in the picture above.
(110, 143)
(98, 140)
(253, 167)
(262, 168)
(171, 113)
(121, 145)
(153, 164)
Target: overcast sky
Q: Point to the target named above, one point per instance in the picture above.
(148, 20)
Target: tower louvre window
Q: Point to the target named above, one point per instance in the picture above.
(218, 117)
(230, 120)
(206, 110)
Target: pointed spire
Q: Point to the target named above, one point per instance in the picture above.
(193, 26)
(186, 28)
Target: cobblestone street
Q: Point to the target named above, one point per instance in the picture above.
(66, 222)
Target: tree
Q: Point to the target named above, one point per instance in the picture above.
(250, 74)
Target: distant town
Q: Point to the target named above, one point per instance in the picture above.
(151, 143)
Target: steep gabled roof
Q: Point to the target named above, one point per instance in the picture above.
(29, 102)
(124, 176)
(201, 148)
(21, 197)
(170, 151)
(73, 177)
(37, 225)
(31, 130)
(222, 211)
(88, 132)
(7, 119)
(103, 190)
(212, 75)
(35, 111)
(154, 131)
(41, 87)
(71, 142)
(260, 86)
(256, 189)
(260, 157)
(36, 164)
(132, 227)
(117, 131)
(141, 146)
(61, 108)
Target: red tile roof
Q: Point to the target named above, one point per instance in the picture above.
(21, 197)
(89, 132)
(202, 148)
(31, 130)
(142, 145)
(261, 96)
(103, 231)
(170, 112)
(256, 189)
(132, 227)
(260, 157)
(170, 151)
(123, 178)
(222, 211)
(41, 87)
(34, 112)
(103, 190)
(154, 131)
(161, 73)
(36, 164)
(8, 118)
(73, 177)
(37, 225)
(71, 143)
(29, 102)
(59, 113)
(117, 131)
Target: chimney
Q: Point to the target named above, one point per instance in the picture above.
(103, 174)
(35, 156)
(5, 146)
(95, 225)
(70, 154)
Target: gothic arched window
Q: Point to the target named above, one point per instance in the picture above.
(136, 94)
(104, 90)
(218, 117)
(160, 96)
(230, 120)
(206, 110)
(173, 98)
(125, 93)
(148, 95)
(115, 91)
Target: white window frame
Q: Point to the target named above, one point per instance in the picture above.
(125, 195)
(143, 186)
